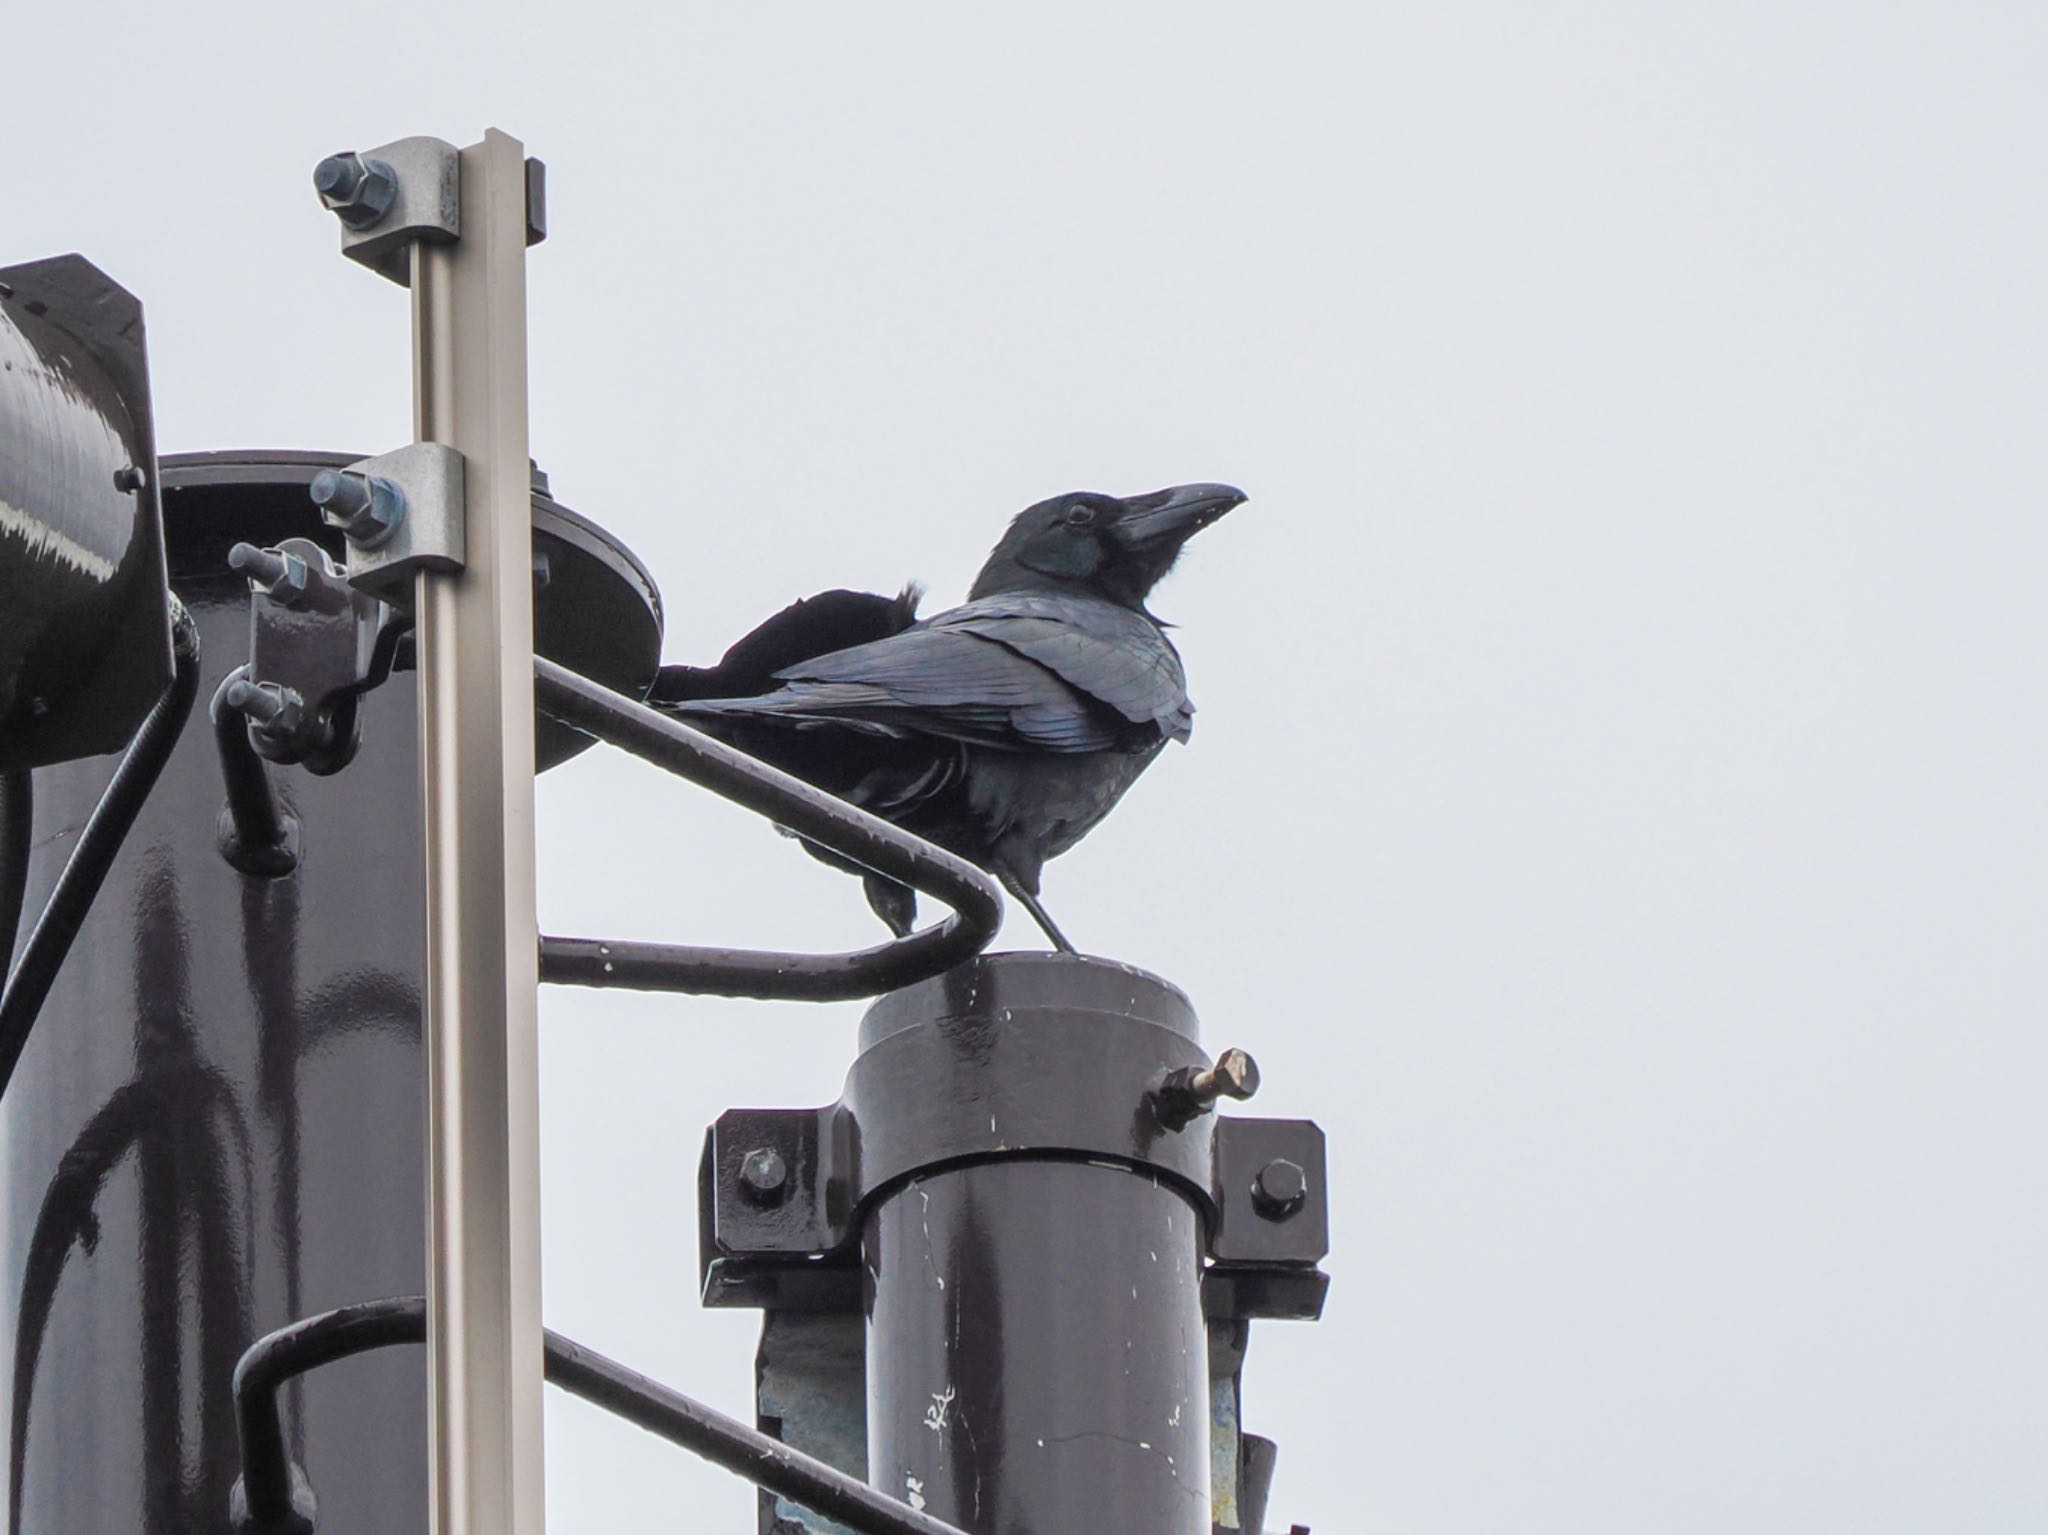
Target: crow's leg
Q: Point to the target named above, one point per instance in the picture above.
(894, 903)
(1038, 912)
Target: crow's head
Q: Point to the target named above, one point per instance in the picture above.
(1114, 547)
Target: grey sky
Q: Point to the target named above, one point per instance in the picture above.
(1616, 805)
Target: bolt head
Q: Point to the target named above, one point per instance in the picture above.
(1280, 1189)
(764, 1175)
(1237, 1074)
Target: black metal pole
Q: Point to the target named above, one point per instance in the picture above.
(1037, 1357)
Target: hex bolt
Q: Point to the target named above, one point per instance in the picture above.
(359, 192)
(764, 1176)
(278, 573)
(1280, 1189)
(274, 712)
(1235, 1075)
(366, 507)
(130, 480)
(1191, 1092)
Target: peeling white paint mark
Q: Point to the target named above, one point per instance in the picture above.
(1143, 1445)
(1041, 1444)
(1173, 1419)
(915, 1488)
(43, 539)
(942, 1403)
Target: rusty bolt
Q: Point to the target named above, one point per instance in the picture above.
(764, 1175)
(1280, 1189)
(359, 192)
(1191, 1092)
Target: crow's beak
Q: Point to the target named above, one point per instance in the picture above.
(1166, 519)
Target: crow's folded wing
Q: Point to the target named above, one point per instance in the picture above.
(1010, 672)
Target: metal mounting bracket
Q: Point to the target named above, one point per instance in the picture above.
(429, 531)
(417, 185)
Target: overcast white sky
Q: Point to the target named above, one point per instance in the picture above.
(1616, 810)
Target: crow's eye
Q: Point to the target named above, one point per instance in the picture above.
(1080, 516)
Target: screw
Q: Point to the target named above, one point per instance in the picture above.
(278, 573)
(366, 507)
(359, 192)
(274, 712)
(1280, 1189)
(764, 1175)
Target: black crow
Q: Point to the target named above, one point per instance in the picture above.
(1003, 729)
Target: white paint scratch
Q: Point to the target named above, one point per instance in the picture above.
(942, 1403)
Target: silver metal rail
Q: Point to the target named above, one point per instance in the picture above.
(475, 639)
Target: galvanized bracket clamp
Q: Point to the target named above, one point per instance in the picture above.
(993, 1073)
(389, 197)
(402, 513)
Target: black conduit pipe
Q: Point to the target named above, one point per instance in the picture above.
(272, 1497)
(256, 835)
(107, 828)
(809, 812)
(17, 821)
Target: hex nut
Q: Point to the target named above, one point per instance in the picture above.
(359, 192)
(1280, 1189)
(366, 507)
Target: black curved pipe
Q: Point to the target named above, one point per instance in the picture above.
(806, 810)
(98, 844)
(256, 835)
(272, 1497)
(17, 821)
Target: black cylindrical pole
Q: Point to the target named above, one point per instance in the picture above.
(1037, 1358)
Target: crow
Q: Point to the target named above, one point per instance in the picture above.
(1003, 729)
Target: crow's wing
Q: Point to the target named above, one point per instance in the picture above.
(1103, 650)
(1018, 673)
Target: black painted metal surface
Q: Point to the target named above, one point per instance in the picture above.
(85, 645)
(1037, 1356)
(215, 1126)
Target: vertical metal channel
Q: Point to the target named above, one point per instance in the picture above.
(475, 641)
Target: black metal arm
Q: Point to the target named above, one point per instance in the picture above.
(272, 1497)
(17, 822)
(809, 812)
(104, 833)
(256, 833)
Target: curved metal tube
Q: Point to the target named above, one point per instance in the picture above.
(98, 844)
(17, 821)
(809, 812)
(272, 1499)
(258, 836)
